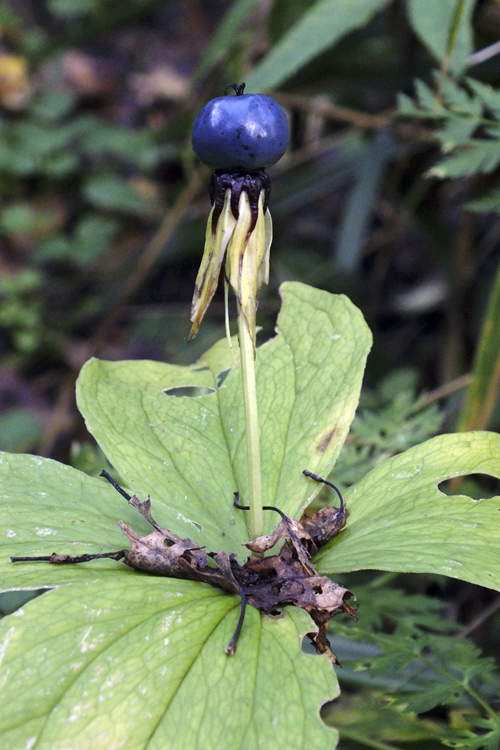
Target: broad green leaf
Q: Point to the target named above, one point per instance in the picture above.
(115, 658)
(444, 27)
(322, 26)
(48, 507)
(189, 453)
(138, 662)
(399, 520)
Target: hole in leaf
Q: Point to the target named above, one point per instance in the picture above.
(189, 391)
(200, 369)
(476, 486)
(10, 601)
(275, 613)
(221, 377)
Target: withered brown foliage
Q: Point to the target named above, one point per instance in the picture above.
(266, 583)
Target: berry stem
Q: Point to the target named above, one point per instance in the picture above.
(247, 359)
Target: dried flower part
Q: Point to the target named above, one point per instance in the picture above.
(216, 243)
(293, 530)
(247, 260)
(240, 230)
(324, 524)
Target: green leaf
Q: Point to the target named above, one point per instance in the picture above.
(459, 100)
(479, 156)
(426, 97)
(138, 662)
(455, 132)
(224, 37)
(489, 96)
(321, 27)
(354, 225)
(489, 202)
(441, 31)
(93, 236)
(488, 738)
(134, 146)
(399, 520)
(114, 658)
(53, 104)
(189, 453)
(45, 505)
(369, 719)
(432, 696)
(18, 218)
(112, 192)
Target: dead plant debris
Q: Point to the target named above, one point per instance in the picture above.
(266, 583)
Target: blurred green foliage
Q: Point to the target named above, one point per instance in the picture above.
(412, 660)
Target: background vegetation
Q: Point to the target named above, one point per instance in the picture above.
(389, 193)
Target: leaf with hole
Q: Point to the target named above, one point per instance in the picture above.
(134, 652)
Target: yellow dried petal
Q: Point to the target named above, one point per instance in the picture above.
(211, 263)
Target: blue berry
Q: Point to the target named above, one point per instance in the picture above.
(247, 132)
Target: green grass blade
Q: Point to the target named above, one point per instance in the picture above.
(224, 36)
(320, 27)
(482, 394)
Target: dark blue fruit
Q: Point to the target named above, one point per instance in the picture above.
(247, 132)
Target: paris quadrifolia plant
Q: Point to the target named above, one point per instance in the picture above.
(240, 136)
(196, 640)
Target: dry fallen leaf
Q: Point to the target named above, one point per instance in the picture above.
(266, 583)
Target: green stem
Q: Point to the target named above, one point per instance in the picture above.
(247, 354)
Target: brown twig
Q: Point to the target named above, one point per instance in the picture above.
(63, 409)
(149, 256)
(480, 618)
(409, 131)
(447, 389)
(450, 51)
(61, 418)
(333, 112)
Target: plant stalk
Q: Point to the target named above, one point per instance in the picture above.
(247, 359)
